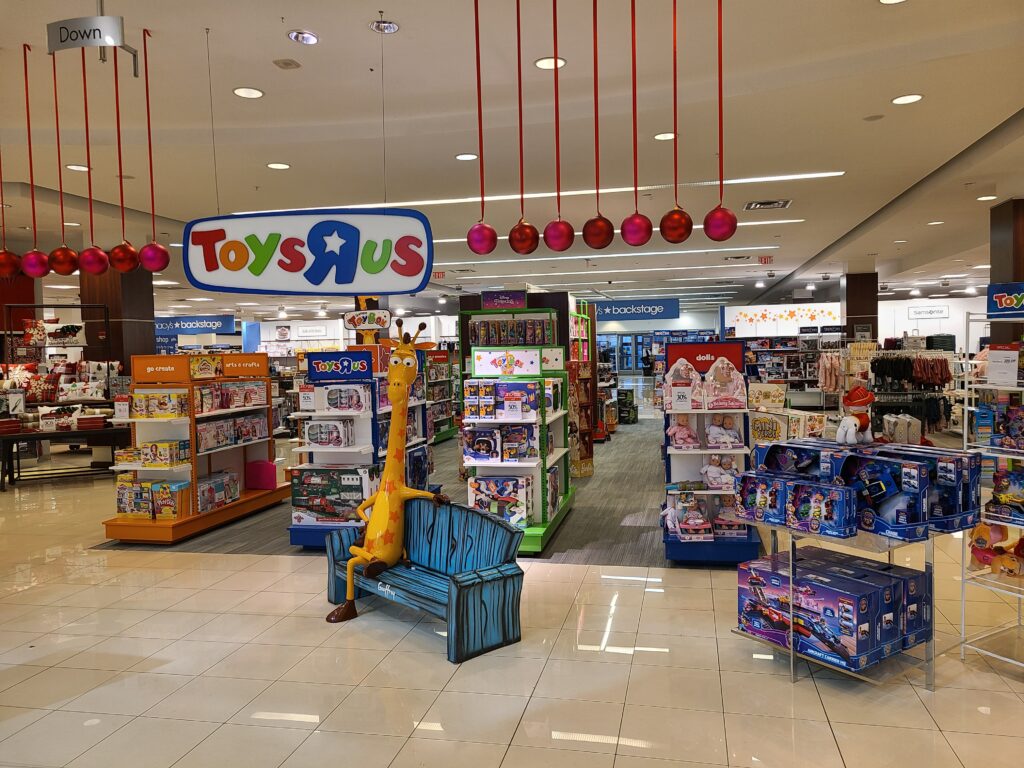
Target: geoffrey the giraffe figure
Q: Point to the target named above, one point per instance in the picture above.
(383, 543)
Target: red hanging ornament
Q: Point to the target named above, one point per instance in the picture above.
(481, 238)
(523, 237)
(598, 232)
(153, 256)
(35, 264)
(10, 263)
(63, 260)
(558, 234)
(93, 261)
(636, 228)
(676, 225)
(720, 223)
(124, 257)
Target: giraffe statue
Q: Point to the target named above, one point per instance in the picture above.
(383, 543)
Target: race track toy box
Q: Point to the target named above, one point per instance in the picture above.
(510, 498)
(326, 493)
(835, 620)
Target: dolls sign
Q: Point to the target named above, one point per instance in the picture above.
(705, 377)
(327, 252)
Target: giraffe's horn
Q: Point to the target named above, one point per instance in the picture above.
(422, 327)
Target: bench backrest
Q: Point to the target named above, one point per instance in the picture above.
(451, 538)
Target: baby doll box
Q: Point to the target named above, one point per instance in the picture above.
(761, 498)
(892, 494)
(822, 509)
(261, 475)
(724, 386)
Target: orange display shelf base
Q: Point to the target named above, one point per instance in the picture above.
(142, 531)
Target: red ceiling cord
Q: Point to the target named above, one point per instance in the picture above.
(60, 164)
(721, 131)
(479, 105)
(117, 123)
(25, 48)
(675, 102)
(519, 93)
(146, 34)
(88, 150)
(558, 143)
(597, 125)
(3, 207)
(636, 175)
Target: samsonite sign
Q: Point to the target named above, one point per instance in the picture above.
(649, 309)
(328, 252)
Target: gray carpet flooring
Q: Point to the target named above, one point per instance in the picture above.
(614, 520)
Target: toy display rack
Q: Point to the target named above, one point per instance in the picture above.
(172, 373)
(1006, 641)
(442, 419)
(920, 657)
(556, 423)
(583, 379)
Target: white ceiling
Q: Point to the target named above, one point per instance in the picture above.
(801, 77)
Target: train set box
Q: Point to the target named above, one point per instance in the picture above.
(325, 493)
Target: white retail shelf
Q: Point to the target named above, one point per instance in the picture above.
(330, 415)
(175, 420)
(705, 492)
(528, 464)
(281, 431)
(713, 410)
(992, 450)
(1008, 585)
(139, 468)
(705, 451)
(442, 418)
(233, 445)
(333, 449)
(556, 454)
(230, 411)
(440, 400)
(1002, 387)
(552, 417)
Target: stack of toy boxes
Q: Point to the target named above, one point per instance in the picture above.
(507, 443)
(417, 393)
(148, 499)
(217, 490)
(251, 427)
(172, 499)
(491, 333)
(510, 498)
(912, 588)
(159, 405)
(342, 398)
(1007, 502)
(552, 394)
(412, 430)
(329, 434)
(165, 453)
(478, 398)
(327, 493)
(627, 407)
(417, 467)
(554, 491)
(214, 434)
(134, 497)
(516, 400)
(845, 622)
(222, 395)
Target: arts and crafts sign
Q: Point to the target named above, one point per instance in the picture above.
(329, 252)
(499, 361)
(780, 320)
(1005, 300)
(338, 366)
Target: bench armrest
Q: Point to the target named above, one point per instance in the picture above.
(338, 542)
(483, 610)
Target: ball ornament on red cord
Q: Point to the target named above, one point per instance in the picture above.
(123, 257)
(35, 264)
(93, 261)
(637, 229)
(559, 235)
(598, 232)
(524, 237)
(10, 263)
(154, 257)
(676, 226)
(720, 224)
(64, 260)
(481, 238)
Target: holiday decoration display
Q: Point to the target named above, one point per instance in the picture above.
(63, 260)
(598, 232)
(35, 264)
(153, 256)
(676, 225)
(123, 257)
(92, 260)
(720, 223)
(523, 237)
(10, 262)
(481, 238)
(636, 228)
(558, 234)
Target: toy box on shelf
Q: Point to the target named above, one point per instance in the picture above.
(515, 438)
(441, 397)
(345, 416)
(202, 453)
(705, 451)
(583, 393)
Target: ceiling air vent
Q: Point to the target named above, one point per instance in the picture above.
(286, 64)
(462, 271)
(736, 258)
(767, 205)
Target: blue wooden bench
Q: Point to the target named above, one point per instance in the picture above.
(462, 569)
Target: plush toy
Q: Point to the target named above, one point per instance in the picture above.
(855, 427)
(984, 540)
(681, 434)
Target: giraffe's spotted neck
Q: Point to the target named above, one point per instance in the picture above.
(394, 464)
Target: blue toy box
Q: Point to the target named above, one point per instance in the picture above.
(761, 498)
(482, 444)
(892, 495)
(835, 620)
(826, 510)
(790, 458)
(515, 400)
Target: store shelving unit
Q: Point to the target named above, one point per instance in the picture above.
(583, 382)
(441, 396)
(172, 374)
(553, 423)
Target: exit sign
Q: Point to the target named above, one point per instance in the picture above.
(438, 275)
(766, 259)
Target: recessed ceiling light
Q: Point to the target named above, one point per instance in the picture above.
(197, 298)
(548, 62)
(246, 304)
(939, 295)
(899, 241)
(986, 198)
(278, 166)
(909, 98)
(887, 293)
(962, 274)
(322, 312)
(891, 2)
(465, 156)
(442, 300)
(759, 284)
(165, 282)
(72, 224)
(179, 306)
(76, 167)
(809, 286)
(915, 292)
(935, 223)
(970, 289)
(303, 36)
(664, 136)
(62, 287)
(248, 93)
(281, 313)
(400, 311)
(982, 266)
(926, 282)
(175, 245)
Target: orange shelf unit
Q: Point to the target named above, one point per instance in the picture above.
(142, 531)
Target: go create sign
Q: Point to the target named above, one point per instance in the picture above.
(333, 251)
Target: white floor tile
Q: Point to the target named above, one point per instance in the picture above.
(58, 738)
(214, 699)
(537, 757)
(324, 749)
(561, 724)
(668, 651)
(591, 681)
(430, 753)
(116, 653)
(367, 635)
(244, 745)
(873, 746)
(497, 674)
(997, 713)
(169, 625)
(697, 734)
(536, 643)
(384, 711)
(478, 716)
(293, 705)
(234, 628)
(756, 742)
(603, 618)
(13, 719)
(53, 688)
(850, 701)
(263, 662)
(340, 666)
(668, 621)
(145, 743)
(977, 750)
(186, 657)
(129, 693)
(748, 693)
(49, 650)
(426, 671)
(675, 687)
(298, 630)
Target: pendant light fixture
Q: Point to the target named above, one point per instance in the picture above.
(636, 228)
(35, 263)
(558, 234)
(598, 232)
(63, 260)
(123, 256)
(676, 225)
(153, 256)
(523, 238)
(93, 260)
(720, 223)
(481, 238)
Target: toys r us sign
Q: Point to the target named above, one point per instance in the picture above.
(333, 251)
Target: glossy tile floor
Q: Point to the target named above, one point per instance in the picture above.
(148, 659)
